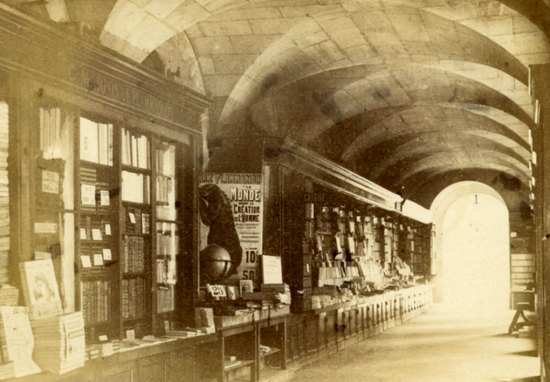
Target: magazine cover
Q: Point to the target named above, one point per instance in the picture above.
(40, 288)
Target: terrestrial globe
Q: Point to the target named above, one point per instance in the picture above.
(215, 262)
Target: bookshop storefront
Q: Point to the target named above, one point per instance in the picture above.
(121, 260)
(97, 196)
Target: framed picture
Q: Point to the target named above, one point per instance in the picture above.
(246, 286)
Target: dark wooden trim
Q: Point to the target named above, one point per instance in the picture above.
(334, 176)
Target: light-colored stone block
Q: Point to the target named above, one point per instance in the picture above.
(150, 33)
(310, 10)
(226, 28)
(409, 27)
(220, 85)
(383, 39)
(363, 54)
(311, 39)
(162, 8)
(232, 64)
(252, 44)
(125, 17)
(212, 45)
(248, 14)
(186, 15)
(274, 26)
(207, 65)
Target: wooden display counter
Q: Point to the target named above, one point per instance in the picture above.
(320, 332)
(167, 361)
(244, 341)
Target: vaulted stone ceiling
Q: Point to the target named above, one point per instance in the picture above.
(404, 92)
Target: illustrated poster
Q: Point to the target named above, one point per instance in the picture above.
(244, 194)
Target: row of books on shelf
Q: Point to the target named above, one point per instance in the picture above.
(134, 254)
(135, 150)
(96, 301)
(133, 298)
(96, 142)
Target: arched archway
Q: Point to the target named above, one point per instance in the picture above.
(472, 248)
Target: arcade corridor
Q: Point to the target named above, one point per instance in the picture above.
(440, 346)
(259, 187)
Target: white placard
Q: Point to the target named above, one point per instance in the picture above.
(104, 199)
(96, 234)
(107, 255)
(87, 193)
(86, 261)
(50, 182)
(46, 228)
(216, 291)
(107, 229)
(98, 259)
(131, 334)
(272, 270)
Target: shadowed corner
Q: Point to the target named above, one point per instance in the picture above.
(528, 379)
(526, 353)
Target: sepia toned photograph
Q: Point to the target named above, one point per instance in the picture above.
(274, 190)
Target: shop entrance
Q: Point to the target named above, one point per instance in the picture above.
(474, 250)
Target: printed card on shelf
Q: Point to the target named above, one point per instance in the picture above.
(86, 261)
(107, 255)
(98, 259)
(107, 229)
(87, 192)
(96, 234)
(83, 234)
(104, 198)
(132, 217)
(130, 334)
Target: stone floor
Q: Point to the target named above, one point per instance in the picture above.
(440, 346)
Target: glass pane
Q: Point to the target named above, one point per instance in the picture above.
(135, 150)
(96, 141)
(166, 182)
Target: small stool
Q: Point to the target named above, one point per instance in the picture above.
(522, 301)
(515, 325)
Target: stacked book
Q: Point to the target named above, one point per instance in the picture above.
(59, 342)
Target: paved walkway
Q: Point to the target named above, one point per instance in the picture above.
(439, 346)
